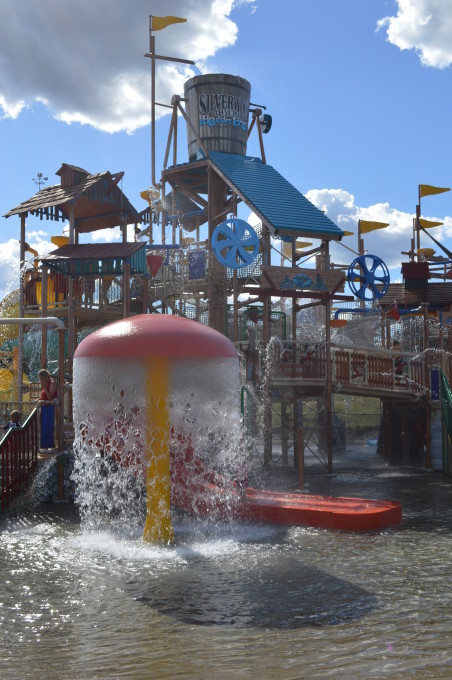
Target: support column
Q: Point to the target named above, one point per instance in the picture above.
(328, 385)
(268, 439)
(44, 289)
(70, 295)
(60, 421)
(20, 358)
(217, 280)
(284, 431)
(126, 290)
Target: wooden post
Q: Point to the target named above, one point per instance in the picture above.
(217, 273)
(44, 289)
(70, 319)
(328, 385)
(144, 294)
(300, 457)
(418, 228)
(20, 358)
(294, 306)
(60, 423)
(235, 288)
(126, 289)
(428, 434)
(284, 430)
(268, 439)
(362, 303)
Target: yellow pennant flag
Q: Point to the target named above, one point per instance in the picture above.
(428, 224)
(157, 23)
(349, 233)
(428, 190)
(365, 226)
(302, 244)
(149, 195)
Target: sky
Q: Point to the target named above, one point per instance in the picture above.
(359, 92)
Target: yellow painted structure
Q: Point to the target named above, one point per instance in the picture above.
(158, 527)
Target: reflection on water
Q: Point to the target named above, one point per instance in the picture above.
(233, 600)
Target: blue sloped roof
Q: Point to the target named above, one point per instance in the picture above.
(272, 197)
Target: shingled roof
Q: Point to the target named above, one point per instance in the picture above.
(97, 200)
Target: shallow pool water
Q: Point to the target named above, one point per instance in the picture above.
(233, 600)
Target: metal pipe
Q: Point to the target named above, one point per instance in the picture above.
(49, 321)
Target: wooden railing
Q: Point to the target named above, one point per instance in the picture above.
(88, 292)
(356, 368)
(18, 459)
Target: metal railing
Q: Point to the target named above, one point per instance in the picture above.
(18, 459)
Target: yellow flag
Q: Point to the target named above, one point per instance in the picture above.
(302, 244)
(428, 190)
(428, 224)
(158, 23)
(149, 195)
(366, 226)
(428, 252)
(348, 233)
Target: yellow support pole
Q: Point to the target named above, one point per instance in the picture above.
(158, 527)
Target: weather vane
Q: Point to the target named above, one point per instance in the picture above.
(40, 179)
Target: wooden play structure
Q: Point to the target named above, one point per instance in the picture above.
(189, 253)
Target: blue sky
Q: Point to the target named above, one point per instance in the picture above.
(359, 91)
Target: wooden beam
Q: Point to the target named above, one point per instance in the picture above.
(277, 292)
(160, 56)
(179, 186)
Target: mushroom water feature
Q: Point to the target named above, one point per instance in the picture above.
(158, 425)
(144, 385)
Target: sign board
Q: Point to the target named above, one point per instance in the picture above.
(295, 278)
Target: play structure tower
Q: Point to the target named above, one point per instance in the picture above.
(236, 261)
(265, 287)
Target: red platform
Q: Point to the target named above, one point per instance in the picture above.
(198, 491)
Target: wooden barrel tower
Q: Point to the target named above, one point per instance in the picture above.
(217, 106)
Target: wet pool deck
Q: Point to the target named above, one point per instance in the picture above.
(358, 471)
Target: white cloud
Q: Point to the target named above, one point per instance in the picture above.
(424, 26)
(110, 235)
(9, 266)
(85, 60)
(389, 243)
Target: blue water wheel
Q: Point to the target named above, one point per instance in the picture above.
(364, 274)
(235, 243)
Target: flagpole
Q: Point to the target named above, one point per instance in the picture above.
(362, 303)
(360, 240)
(152, 55)
(418, 228)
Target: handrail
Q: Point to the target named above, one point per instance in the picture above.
(18, 459)
(355, 368)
